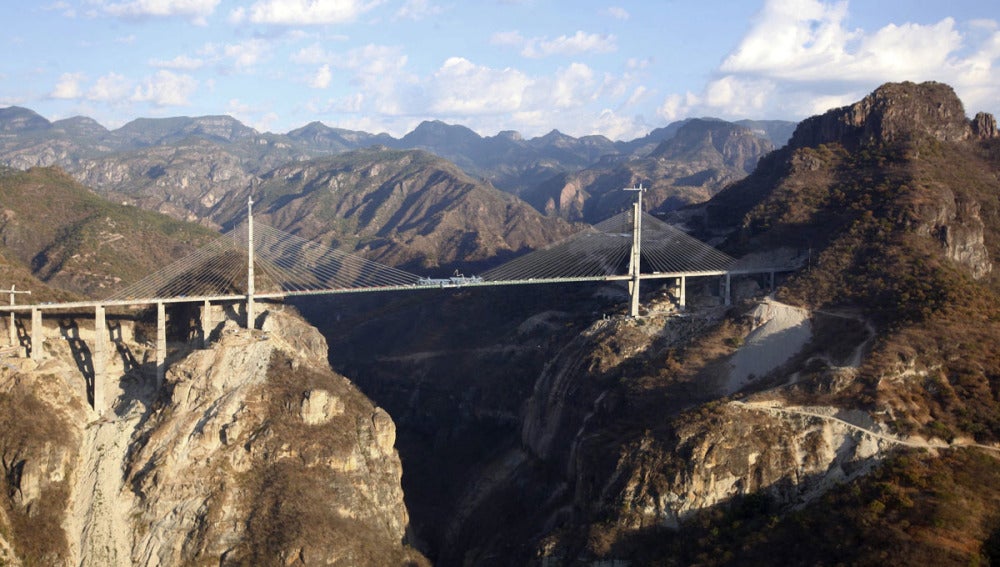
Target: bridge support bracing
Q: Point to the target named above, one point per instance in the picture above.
(635, 260)
(12, 324)
(206, 323)
(36, 334)
(100, 358)
(161, 344)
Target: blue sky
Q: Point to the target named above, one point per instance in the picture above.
(616, 68)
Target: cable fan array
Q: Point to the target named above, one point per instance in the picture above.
(604, 250)
(282, 263)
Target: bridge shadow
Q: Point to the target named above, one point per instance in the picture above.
(84, 359)
(129, 362)
(23, 338)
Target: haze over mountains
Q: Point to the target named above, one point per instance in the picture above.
(203, 169)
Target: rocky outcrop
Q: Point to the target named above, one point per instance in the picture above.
(730, 453)
(254, 453)
(956, 223)
(892, 113)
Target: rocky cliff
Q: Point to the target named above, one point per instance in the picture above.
(254, 452)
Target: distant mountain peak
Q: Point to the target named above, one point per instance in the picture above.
(19, 119)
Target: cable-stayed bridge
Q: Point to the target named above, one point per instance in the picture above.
(251, 264)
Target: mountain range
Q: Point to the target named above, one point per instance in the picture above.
(441, 192)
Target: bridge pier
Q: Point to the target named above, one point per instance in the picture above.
(682, 292)
(36, 334)
(100, 358)
(727, 284)
(12, 330)
(206, 323)
(161, 344)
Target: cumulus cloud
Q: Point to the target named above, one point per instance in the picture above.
(304, 12)
(800, 58)
(322, 78)
(618, 13)
(109, 88)
(166, 89)
(537, 47)
(417, 10)
(181, 62)
(68, 86)
(197, 10)
(573, 86)
(243, 55)
(311, 55)
(460, 87)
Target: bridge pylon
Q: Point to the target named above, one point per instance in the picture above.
(635, 260)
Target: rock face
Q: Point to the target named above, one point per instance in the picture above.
(253, 453)
(892, 113)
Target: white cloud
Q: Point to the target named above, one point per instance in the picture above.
(68, 86)
(417, 10)
(241, 55)
(573, 86)
(197, 10)
(575, 44)
(305, 12)
(109, 88)
(800, 58)
(181, 62)
(618, 13)
(65, 8)
(677, 106)
(508, 38)
(322, 78)
(537, 47)
(617, 127)
(166, 89)
(637, 95)
(311, 55)
(460, 87)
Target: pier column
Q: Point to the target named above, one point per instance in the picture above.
(100, 358)
(771, 281)
(682, 292)
(36, 334)
(161, 344)
(636, 257)
(727, 285)
(206, 323)
(12, 324)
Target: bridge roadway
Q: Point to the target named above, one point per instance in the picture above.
(207, 325)
(90, 304)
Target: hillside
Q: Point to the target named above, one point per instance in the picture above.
(399, 207)
(73, 240)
